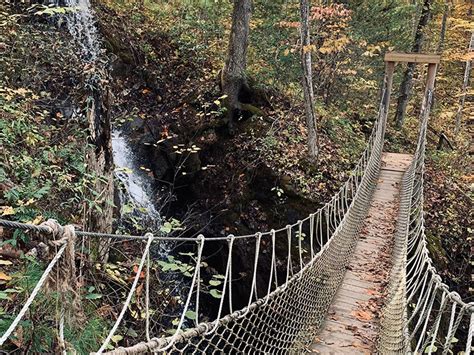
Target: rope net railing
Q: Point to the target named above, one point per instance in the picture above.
(285, 315)
(421, 314)
(306, 264)
(295, 274)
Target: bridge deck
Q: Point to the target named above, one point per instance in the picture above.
(352, 321)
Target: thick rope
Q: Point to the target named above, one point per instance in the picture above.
(129, 297)
(52, 228)
(414, 280)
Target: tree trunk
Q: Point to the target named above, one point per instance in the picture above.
(407, 82)
(442, 37)
(444, 25)
(233, 76)
(100, 165)
(465, 84)
(308, 80)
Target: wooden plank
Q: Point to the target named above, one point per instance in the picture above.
(347, 321)
(331, 350)
(343, 329)
(353, 293)
(396, 162)
(354, 298)
(330, 337)
(390, 174)
(412, 57)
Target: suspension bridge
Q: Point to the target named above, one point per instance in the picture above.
(364, 249)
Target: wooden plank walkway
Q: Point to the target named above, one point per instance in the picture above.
(352, 322)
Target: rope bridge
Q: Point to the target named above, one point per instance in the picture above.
(286, 315)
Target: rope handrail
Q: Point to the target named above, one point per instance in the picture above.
(333, 229)
(415, 317)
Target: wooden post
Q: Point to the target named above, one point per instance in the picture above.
(389, 69)
(431, 76)
(428, 99)
(388, 80)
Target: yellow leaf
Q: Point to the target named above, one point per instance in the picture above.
(8, 211)
(4, 276)
(113, 276)
(5, 262)
(468, 56)
(116, 338)
(29, 202)
(134, 314)
(326, 50)
(309, 48)
(22, 91)
(37, 220)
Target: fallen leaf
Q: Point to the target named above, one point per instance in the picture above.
(18, 338)
(8, 210)
(362, 315)
(4, 276)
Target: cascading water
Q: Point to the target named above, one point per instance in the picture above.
(138, 185)
(80, 23)
(137, 197)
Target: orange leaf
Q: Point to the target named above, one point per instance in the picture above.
(4, 276)
(135, 270)
(362, 315)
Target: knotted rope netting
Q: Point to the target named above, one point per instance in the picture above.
(288, 315)
(421, 314)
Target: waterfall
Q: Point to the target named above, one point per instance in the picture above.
(136, 200)
(81, 25)
(138, 185)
